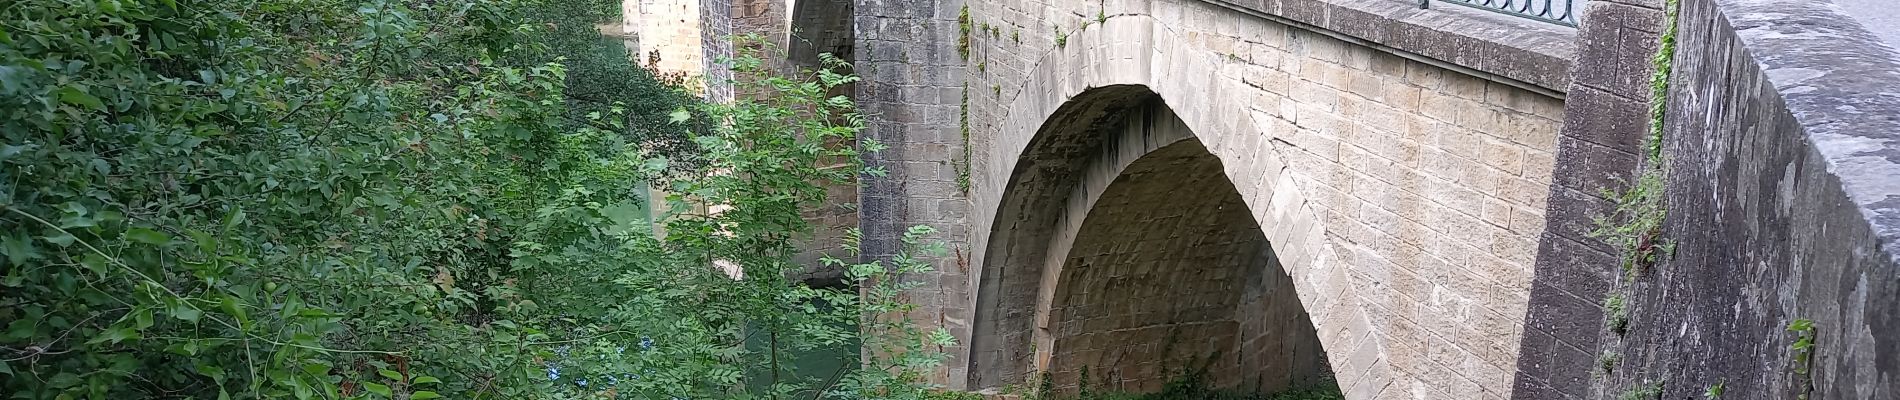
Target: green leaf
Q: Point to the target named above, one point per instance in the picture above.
(207, 244)
(232, 219)
(64, 380)
(62, 239)
(231, 306)
(114, 336)
(426, 379)
(75, 96)
(679, 116)
(18, 248)
(9, 151)
(315, 368)
(424, 395)
(186, 312)
(216, 374)
(147, 236)
(377, 388)
(142, 318)
(392, 375)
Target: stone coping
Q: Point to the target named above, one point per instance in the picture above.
(1842, 83)
(1876, 15)
(1527, 53)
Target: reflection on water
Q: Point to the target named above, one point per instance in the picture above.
(815, 368)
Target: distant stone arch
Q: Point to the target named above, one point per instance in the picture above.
(819, 27)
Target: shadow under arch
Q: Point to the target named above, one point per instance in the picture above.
(1121, 247)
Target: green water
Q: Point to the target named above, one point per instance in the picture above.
(816, 367)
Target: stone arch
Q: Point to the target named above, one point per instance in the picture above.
(817, 27)
(1169, 275)
(1058, 152)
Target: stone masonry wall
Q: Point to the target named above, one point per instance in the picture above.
(670, 30)
(1607, 105)
(767, 18)
(1780, 144)
(913, 83)
(715, 37)
(1428, 182)
(684, 36)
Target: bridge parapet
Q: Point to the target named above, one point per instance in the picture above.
(1521, 52)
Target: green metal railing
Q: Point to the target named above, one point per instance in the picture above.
(1561, 12)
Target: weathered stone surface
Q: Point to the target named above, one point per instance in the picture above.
(1144, 294)
(907, 52)
(1784, 147)
(1780, 141)
(1352, 177)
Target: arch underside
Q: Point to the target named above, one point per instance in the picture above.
(819, 27)
(1129, 254)
(1169, 276)
(1027, 226)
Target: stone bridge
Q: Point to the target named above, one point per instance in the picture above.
(1168, 186)
(1394, 199)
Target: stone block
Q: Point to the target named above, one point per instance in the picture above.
(1598, 61)
(1504, 156)
(1512, 98)
(1450, 379)
(1401, 95)
(1538, 165)
(1484, 119)
(1606, 119)
(1570, 371)
(1440, 106)
(1316, 108)
(1496, 212)
(1590, 168)
(1423, 75)
(1628, 16)
(1563, 315)
(1464, 86)
(1368, 86)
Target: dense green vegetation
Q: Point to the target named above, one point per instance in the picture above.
(1189, 383)
(410, 199)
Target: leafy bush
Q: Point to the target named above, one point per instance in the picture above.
(305, 199)
(600, 78)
